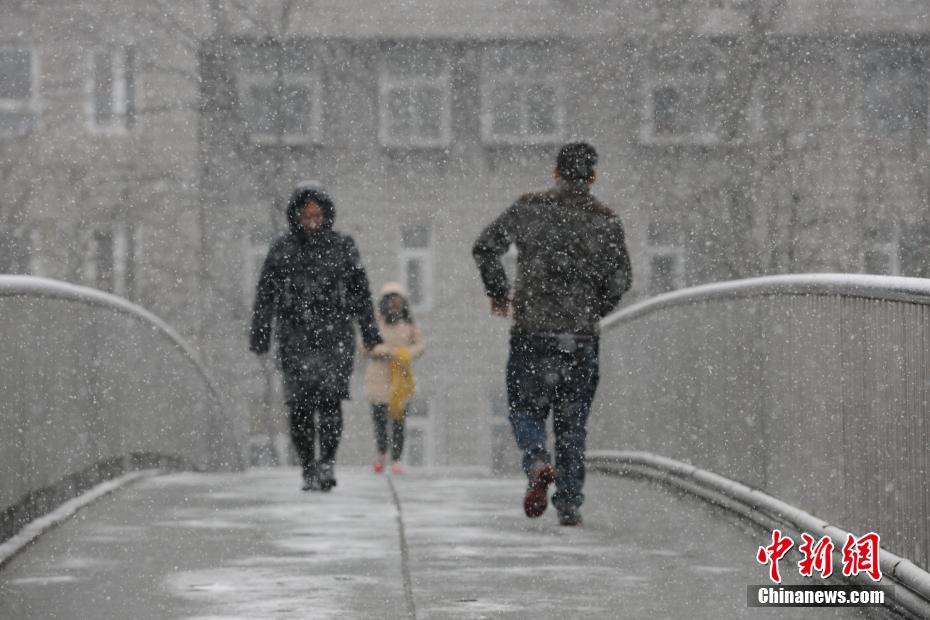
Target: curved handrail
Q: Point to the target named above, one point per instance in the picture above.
(890, 288)
(33, 286)
(762, 508)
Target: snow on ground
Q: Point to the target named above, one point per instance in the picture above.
(253, 546)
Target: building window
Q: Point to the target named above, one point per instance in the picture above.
(505, 459)
(421, 433)
(894, 98)
(684, 101)
(280, 90)
(25, 252)
(416, 267)
(415, 94)
(109, 263)
(881, 253)
(37, 262)
(111, 91)
(664, 270)
(289, 114)
(254, 258)
(15, 250)
(665, 258)
(522, 99)
(18, 91)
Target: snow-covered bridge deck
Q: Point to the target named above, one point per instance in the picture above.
(253, 546)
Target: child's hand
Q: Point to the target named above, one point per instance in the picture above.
(381, 351)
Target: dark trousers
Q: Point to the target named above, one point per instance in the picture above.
(558, 374)
(312, 415)
(379, 412)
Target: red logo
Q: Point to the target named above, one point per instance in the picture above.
(817, 557)
(860, 555)
(773, 553)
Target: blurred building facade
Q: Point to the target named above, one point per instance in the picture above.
(148, 148)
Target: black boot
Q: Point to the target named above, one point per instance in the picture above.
(326, 476)
(311, 478)
(569, 515)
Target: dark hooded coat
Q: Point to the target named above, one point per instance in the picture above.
(311, 289)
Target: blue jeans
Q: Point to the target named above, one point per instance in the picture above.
(557, 373)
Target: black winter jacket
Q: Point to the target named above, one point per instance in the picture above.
(312, 287)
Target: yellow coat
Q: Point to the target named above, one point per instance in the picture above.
(402, 385)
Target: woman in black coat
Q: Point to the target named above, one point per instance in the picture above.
(312, 288)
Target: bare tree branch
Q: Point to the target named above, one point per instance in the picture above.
(171, 23)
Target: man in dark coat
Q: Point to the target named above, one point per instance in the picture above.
(312, 288)
(572, 268)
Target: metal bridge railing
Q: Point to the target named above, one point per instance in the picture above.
(90, 385)
(812, 388)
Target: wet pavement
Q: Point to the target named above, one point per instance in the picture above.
(236, 546)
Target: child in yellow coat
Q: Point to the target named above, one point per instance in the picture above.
(389, 382)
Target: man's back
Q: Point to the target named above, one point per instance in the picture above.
(572, 263)
(572, 268)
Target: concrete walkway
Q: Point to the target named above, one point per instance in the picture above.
(238, 546)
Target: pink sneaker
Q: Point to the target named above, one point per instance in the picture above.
(397, 469)
(378, 466)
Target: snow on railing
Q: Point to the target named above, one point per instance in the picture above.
(885, 288)
(811, 388)
(36, 287)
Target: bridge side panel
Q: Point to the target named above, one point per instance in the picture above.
(89, 391)
(819, 399)
(696, 402)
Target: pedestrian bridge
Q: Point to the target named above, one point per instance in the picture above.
(725, 411)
